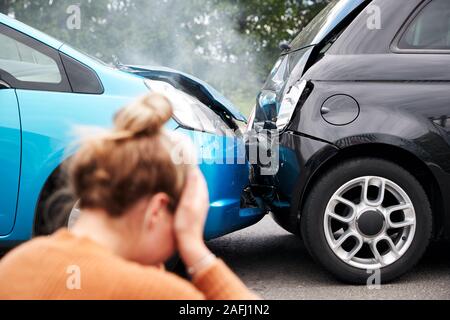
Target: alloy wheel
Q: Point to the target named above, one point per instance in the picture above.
(370, 222)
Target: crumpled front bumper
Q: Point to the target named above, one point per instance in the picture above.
(299, 157)
(223, 163)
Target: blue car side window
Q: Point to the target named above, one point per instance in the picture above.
(82, 78)
(26, 63)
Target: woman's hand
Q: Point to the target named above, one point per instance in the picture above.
(190, 219)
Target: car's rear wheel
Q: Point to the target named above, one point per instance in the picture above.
(367, 215)
(58, 209)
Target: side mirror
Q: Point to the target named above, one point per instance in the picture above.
(4, 85)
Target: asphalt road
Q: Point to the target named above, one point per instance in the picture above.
(276, 265)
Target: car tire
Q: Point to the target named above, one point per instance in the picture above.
(54, 211)
(320, 224)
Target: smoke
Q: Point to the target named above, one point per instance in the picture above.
(199, 37)
(232, 44)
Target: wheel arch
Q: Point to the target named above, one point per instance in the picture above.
(56, 180)
(398, 155)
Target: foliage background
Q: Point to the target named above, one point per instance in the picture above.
(231, 44)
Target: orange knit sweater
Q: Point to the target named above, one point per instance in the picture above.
(67, 267)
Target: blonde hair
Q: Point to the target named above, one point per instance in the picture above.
(130, 162)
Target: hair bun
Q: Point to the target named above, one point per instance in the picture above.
(145, 116)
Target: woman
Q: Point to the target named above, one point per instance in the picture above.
(137, 208)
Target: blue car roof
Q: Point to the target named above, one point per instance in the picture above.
(34, 33)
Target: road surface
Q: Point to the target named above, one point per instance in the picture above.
(276, 265)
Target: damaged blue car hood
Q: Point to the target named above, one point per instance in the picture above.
(203, 91)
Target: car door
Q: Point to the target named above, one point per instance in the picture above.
(423, 47)
(10, 147)
(425, 40)
(58, 91)
(427, 36)
(26, 65)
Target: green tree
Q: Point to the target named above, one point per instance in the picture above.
(270, 22)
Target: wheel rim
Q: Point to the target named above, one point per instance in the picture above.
(370, 222)
(73, 216)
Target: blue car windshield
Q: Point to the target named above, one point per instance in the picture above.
(333, 14)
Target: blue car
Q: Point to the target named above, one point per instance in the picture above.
(47, 88)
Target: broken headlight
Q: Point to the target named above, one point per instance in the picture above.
(280, 95)
(188, 111)
(289, 103)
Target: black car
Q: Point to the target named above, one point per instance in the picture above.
(360, 105)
